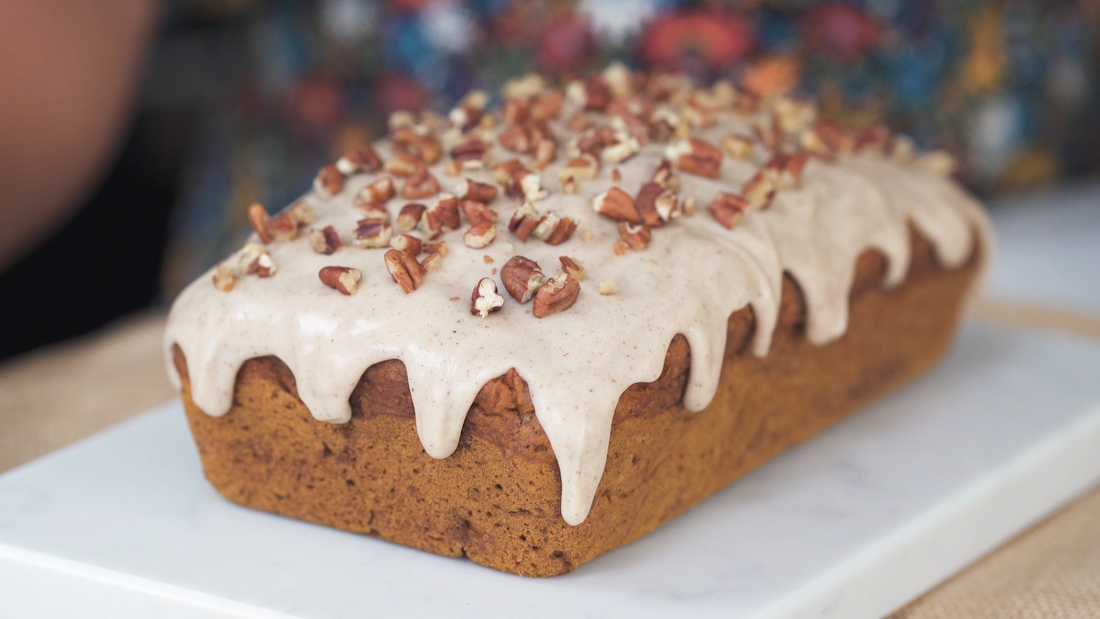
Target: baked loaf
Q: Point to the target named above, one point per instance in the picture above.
(422, 374)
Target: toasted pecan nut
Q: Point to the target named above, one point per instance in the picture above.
(325, 241)
(254, 260)
(530, 185)
(420, 184)
(258, 217)
(559, 232)
(404, 269)
(476, 212)
(441, 218)
(344, 279)
(623, 147)
(516, 138)
(582, 168)
(759, 190)
(738, 146)
(547, 104)
(696, 156)
(328, 182)
(406, 243)
(485, 299)
(403, 164)
(283, 227)
(572, 267)
(656, 205)
(370, 210)
(521, 277)
(608, 287)
(426, 148)
(225, 277)
(505, 170)
(524, 221)
(469, 189)
(471, 155)
(728, 209)
(616, 204)
(433, 255)
(480, 235)
(665, 177)
(636, 236)
(378, 192)
(409, 216)
(785, 171)
(372, 234)
(555, 296)
(359, 159)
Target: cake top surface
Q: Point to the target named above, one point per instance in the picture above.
(569, 234)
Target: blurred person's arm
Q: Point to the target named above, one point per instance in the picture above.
(68, 74)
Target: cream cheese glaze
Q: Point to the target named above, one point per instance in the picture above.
(694, 274)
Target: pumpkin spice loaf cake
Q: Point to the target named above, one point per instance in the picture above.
(534, 332)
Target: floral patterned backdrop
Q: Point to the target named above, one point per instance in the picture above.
(1010, 86)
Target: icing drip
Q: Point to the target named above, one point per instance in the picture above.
(694, 274)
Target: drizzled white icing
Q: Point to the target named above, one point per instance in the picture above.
(577, 363)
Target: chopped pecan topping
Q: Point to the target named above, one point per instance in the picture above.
(608, 287)
(403, 164)
(581, 168)
(728, 209)
(688, 206)
(480, 235)
(616, 204)
(325, 241)
(636, 236)
(476, 212)
(470, 155)
(443, 217)
(328, 182)
(555, 296)
(405, 270)
(524, 221)
(425, 148)
(284, 226)
(521, 277)
(826, 140)
(372, 234)
(785, 171)
(359, 159)
(618, 248)
(301, 213)
(254, 260)
(792, 115)
(554, 229)
(469, 189)
(344, 279)
(547, 104)
(592, 94)
(759, 190)
(406, 243)
(530, 185)
(656, 205)
(505, 170)
(370, 210)
(768, 133)
(379, 192)
(420, 184)
(410, 216)
(738, 146)
(515, 111)
(433, 255)
(259, 218)
(572, 267)
(225, 277)
(485, 299)
(623, 147)
(665, 177)
(545, 152)
(695, 156)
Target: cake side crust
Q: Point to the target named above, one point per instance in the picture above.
(497, 498)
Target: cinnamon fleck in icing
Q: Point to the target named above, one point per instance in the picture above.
(693, 271)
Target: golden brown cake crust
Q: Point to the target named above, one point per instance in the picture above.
(497, 499)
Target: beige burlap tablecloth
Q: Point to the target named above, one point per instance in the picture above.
(55, 396)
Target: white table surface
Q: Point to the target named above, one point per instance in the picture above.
(852, 524)
(1049, 248)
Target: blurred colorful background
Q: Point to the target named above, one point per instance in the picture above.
(243, 100)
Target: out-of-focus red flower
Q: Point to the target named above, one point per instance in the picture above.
(400, 92)
(565, 44)
(316, 102)
(841, 30)
(677, 40)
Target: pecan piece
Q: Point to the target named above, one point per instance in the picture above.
(328, 182)
(524, 221)
(409, 216)
(521, 277)
(469, 189)
(420, 184)
(728, 209)
(433, 255)
(325, 241)
(759, 190)
(225, 277)
(665, 177)
(738, 146)
(554, 229)
(485, 299)
(476, 212)
(616, 204)
(696, 156)
(379, 192)
(636, 236)
(259, 218)
(441, 218)
(404, 269)
(359, 159)
(372, 234)
(470, 155)
(545, 152)
(344, 279)
(556, 295)
(480, 235)
(254, 260)
(406, 243)
(656, 205)
(581, 168)
(403, 164)
(572, 267)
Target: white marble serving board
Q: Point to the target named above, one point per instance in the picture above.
(852, 524)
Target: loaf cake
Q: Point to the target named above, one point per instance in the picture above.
(531, 332)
